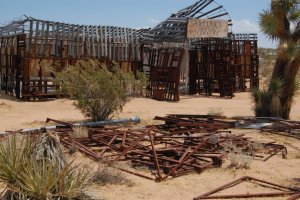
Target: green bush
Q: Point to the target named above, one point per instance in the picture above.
(267, 103)
(99, 93)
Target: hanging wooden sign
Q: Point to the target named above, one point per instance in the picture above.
(207, 28)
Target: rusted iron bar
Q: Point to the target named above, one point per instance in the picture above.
(209, 195)
(81, 148)
(155, 157)
(59, 122)
(295, 196)
(105, 148)
(244, 196)
(168, 159)
(131, 146)
(184, 158)
(133, 173)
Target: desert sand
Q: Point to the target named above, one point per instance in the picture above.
(15, 115)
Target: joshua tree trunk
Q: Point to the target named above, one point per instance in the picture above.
(289, 87)
(277, 23)
(279, 68)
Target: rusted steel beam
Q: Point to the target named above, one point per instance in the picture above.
(184, 158)
(133, 173)
(59, 122)
(244, 196)
(131, 146)
(209, 195)
(295, 196)
(109, 143)
(155, 157)
(80, 147)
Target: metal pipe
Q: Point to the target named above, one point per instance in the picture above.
(135, 119)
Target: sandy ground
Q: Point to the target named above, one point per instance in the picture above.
(15, 115)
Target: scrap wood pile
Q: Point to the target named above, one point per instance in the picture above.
(182, 144)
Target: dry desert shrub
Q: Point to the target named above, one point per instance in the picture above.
(215, 112)
(33, 168)
(236, 156)
(240, 160)
(107, 175)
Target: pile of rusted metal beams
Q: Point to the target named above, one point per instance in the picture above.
(180, 145)
(283, 127)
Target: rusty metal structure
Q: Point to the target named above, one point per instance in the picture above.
(278, 190)
(203, 64)
(225, 66)
(27, 45)
(166, 48)
(287, 128)
(173, 54)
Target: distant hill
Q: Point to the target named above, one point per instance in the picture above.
(267, 61)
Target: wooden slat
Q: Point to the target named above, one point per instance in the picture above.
(30, 38)
(83, 41)
(78, 42)
(36, 38)
(126, 44)
(62, 39)
(97, 43)
(113, 44)
(109, 32)
(41, 38)
(136, 43)
(88, 40)
(54, 27)
(93, 41)
(45, 51)
(69, 40)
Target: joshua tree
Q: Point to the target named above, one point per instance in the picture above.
(282, 23)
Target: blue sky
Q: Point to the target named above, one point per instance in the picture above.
(129, 13)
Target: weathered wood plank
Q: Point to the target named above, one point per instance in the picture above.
(54, 27)
(29, 40)
(88, 41)
(97, 43)
(46, 47)
(109, 32)
(78, 42)
(93, 32)
(36, 38)
(83, 41)
(42, 39)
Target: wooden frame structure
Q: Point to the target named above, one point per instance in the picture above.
(225, 65)
(165, 53)
(174, 29)
(27, 43)
(171, 35)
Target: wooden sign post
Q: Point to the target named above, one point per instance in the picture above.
(207, 28)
